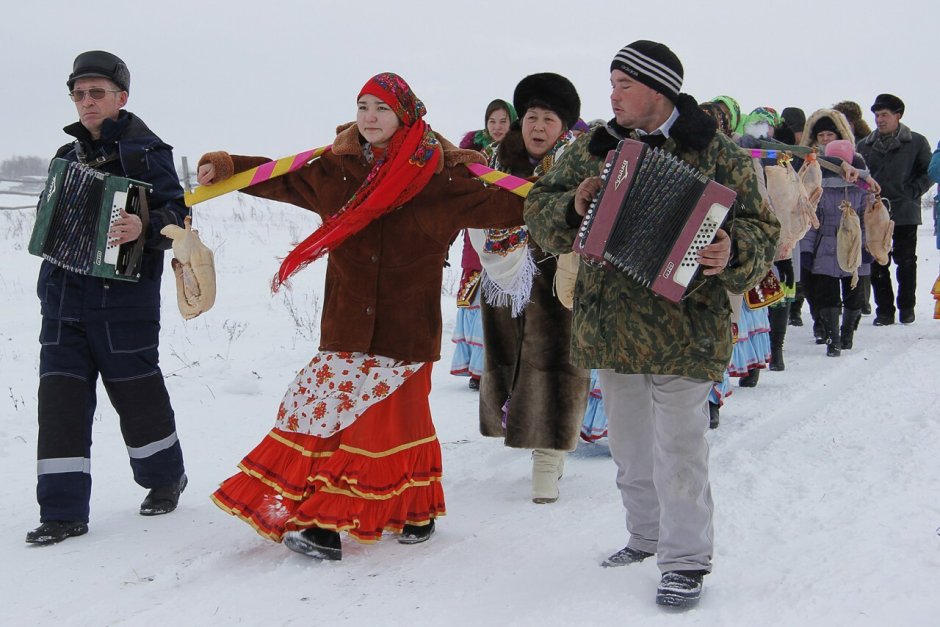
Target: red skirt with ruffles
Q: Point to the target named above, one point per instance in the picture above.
(381, 473)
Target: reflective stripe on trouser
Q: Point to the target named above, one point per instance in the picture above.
(656, 429)
(72, 355)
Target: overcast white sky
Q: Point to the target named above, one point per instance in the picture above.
(273, 78)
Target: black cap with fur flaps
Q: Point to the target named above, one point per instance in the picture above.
(888, 101)
(551, 91)
(98, 63)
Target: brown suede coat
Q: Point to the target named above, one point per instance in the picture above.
(383, 285)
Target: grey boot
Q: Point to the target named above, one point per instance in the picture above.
(547, 468)
(850, 318)
(830, 319)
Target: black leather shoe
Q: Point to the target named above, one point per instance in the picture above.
(883, 321)
(474, 384)
(315, 542)
(53, 531)
(416, 534)
(164, 499)
(907, 316)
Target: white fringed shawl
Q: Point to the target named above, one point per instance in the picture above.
(508, 265)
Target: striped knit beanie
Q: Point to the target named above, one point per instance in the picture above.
(652, 64)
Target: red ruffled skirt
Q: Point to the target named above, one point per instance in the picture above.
(381, 473)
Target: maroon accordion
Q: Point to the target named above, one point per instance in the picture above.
(653, 215)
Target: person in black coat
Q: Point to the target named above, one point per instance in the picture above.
(92, 325)
(898, 159)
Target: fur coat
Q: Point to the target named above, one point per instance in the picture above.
(527, 358)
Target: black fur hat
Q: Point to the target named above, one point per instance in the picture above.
(888, 101)
(825, 123)
(793, 118)
(101, 64)
(551, 91)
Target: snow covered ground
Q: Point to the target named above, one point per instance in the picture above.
(825, 477)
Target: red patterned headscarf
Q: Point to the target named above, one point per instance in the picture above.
(410, 159)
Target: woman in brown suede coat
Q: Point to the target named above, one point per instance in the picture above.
(354, 448)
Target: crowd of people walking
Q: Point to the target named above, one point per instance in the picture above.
(556, 347)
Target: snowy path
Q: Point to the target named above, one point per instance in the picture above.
(826, 481)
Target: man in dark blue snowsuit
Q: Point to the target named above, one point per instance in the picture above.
(93, 326)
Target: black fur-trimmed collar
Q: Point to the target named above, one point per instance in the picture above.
(692, 130)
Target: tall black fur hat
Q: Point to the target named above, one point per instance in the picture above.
(100, 64)
(550, 91)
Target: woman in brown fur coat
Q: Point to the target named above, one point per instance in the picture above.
(530, 394)
(353, 447)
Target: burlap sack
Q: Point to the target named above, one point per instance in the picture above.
(849, 241)
(565, 277)
(194, 267)
(879, 230)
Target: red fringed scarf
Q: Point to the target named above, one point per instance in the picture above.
(410, 160)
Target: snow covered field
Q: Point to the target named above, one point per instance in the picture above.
(825, 477)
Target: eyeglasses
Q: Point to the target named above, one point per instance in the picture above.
(96, 93)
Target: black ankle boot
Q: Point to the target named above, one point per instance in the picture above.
(316, 542)
(416, 534)
(850, 318)
(750, 381)
(778, 333)
(819, 329)
(830, 319)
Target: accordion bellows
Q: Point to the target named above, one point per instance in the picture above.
(76, 211)
(653, 215)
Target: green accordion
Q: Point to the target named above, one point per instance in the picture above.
(75, 213)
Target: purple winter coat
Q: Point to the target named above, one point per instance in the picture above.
(821, 242)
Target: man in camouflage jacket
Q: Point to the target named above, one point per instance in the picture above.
(657, 359)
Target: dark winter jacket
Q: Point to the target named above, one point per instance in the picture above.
(899, 164)
(623, 325)
(126, 148)
(383, 284)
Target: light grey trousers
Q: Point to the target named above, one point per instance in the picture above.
(656, 427)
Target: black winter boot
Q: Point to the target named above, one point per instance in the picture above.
(318, 543)
(164, 499)
(819, 330)
(53, 531)
(778, 333)
(830, 319)
(796, 312)
(750, 381)
(713, 415)
(850, 318)
(416, 534)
